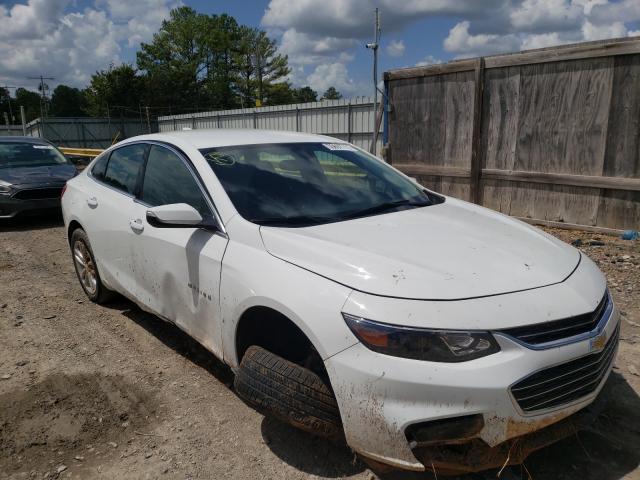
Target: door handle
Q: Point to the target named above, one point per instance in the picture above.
(92, 202)
(136, 225)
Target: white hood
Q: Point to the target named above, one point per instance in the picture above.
(450, 251)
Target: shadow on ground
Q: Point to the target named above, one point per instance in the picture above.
(608, 450)
(175, 339)
(308, 453)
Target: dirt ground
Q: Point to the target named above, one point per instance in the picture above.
(96, 392)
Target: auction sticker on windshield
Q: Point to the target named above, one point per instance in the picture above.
(339, 146)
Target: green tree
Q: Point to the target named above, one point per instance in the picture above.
(118, 91)
(176, 60)
(306, 94)
(30, 101)
(279, 94)
(220, 46)
(269, 66)
(5, 104)
(67, 102)
(243, 60)
(331, 94)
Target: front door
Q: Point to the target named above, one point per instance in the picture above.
(178, 269)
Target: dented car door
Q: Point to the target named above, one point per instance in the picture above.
(178, 269)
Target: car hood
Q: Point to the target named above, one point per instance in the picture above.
(454, 250)
(37, 175)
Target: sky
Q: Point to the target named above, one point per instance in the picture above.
(324, 39)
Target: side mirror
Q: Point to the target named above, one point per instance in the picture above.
(175, 215)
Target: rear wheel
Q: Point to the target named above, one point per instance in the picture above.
(86, 268)
(289, 392)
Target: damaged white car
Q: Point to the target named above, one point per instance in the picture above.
(350, 301)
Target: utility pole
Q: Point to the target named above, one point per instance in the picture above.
(43, 89)
(12, 119)
(148, 121)
(374, 46)
(23, 119)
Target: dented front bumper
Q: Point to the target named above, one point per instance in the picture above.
(381, 397)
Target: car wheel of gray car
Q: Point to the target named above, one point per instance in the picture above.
(86, 268)
(293, 394)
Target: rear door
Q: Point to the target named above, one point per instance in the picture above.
(109, 209)
(177, 270)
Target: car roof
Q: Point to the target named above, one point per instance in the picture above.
(223, 137)
(34, 140)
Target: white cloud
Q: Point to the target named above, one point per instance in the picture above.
(599, 32)
(633, 33)
(546, 15)
(428, 60)
(396, 48)
(42, 37)
(305, 48)
(353, 18)
(463, 43)
(333, 75)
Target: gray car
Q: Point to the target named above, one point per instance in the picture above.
(33, 173)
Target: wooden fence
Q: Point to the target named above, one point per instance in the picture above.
(551, 135)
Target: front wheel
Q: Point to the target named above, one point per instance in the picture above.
(86, 268)
(289, 392)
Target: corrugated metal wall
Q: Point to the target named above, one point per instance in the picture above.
(10, 130)
(351, 120)
(87, 132)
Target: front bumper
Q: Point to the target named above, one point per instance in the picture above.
(10, 207)
(380, 396)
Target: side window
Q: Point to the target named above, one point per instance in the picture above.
(168, 180)
(99, 167)
(124, 167)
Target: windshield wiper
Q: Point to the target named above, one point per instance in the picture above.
(298, 221)
(383, 207)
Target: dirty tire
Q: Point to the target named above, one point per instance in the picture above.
(293, 394)
(101, 294)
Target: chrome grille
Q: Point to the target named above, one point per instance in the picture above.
(540, 333)
(567, 382)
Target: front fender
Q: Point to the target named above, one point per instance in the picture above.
(252, 277)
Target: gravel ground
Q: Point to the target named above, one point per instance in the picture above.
(112, 392)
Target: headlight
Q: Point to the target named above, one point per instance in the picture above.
(5, 187)
(422, 344)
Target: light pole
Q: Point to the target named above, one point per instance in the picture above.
(374, 46)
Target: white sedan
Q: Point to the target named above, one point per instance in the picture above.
(349, 300)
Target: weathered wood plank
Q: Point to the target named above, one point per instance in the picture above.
(499, 133)
(622, 155)
(572, 226)
(431, 70)
(608, 48)
(416, 131)
(432, 170)
(593, 181)
(475, 194)
(459, 91)
(453, 187)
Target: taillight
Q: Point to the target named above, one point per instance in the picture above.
(64, 189)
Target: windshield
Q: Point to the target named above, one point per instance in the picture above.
(301, 184)
(17, 154)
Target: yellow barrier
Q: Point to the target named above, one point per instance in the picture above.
(81, 152)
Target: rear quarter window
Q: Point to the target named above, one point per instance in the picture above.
(123, 168)
(99, 167)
